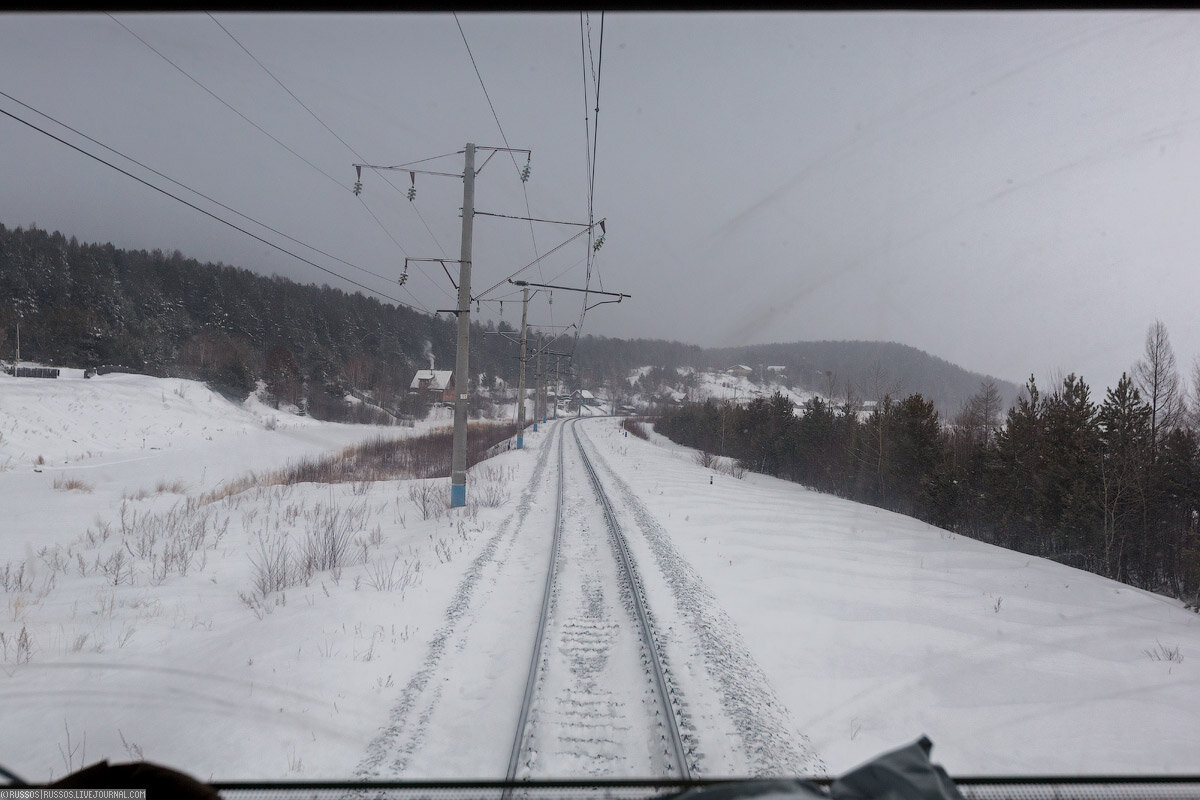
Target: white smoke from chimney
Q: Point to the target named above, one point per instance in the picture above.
(429, 354)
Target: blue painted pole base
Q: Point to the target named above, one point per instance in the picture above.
(535, 426)
(458, 495)
(520, 441)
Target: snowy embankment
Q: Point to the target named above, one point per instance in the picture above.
(159, 604)
(136, 622)
(875, 628)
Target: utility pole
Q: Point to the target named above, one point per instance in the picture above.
(557, 387)
(521, 379)
(619, 295)
(537, 380)
(543, 386)
(462, 376)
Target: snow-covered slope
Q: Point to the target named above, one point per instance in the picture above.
(123, 434)
(133, 624)
(872, 628)
(875, 628)
(692, 385)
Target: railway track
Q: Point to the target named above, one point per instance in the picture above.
(597, 698)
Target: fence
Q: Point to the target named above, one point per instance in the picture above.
(34, 372)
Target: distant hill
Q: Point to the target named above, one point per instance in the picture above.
(86, 305)
(871, 369)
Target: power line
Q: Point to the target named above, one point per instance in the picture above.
(281, 84)
(496, 117)
(207, 213)
(224, 103)
(420, 216)
(482, 85)
(196, 192)
(388, 233)
(324, 125)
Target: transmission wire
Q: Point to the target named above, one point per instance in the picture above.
(207, 213)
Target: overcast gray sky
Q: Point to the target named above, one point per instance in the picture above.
(1016, 192)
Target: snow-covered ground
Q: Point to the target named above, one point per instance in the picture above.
(124, 629)
(740, 389)
(721, 386)
(133, 625)
(875, 628)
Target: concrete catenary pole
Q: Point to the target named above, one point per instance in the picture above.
(521, 378)
(537, 381)
(544, 390)
(462, 375)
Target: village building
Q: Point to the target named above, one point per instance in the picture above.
(435, 381)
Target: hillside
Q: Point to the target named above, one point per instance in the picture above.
(868, 370)
(85, 305)
(163, 314)
(871, 370)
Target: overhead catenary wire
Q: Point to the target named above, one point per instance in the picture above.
(517, 292)
(587, 154)
(597, 71)
(331, 131)
(531, 219)
(483, 295)
(208, 213)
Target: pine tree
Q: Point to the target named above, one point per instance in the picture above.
(1016, 473)
(1126, 436)
(1069, 508)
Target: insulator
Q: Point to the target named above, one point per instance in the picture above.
(598, 243)
(358, 187)
(412, 192)
(525, 172)
(403, 278)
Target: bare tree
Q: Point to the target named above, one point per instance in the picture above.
(980, 414)
(851, 402)
(882, 384)
(1195, 413)
(831, 379)
(1158, 382)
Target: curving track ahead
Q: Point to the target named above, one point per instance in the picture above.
(597, 699)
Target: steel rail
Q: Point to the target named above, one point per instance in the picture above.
(660, 681)
(540, 640)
